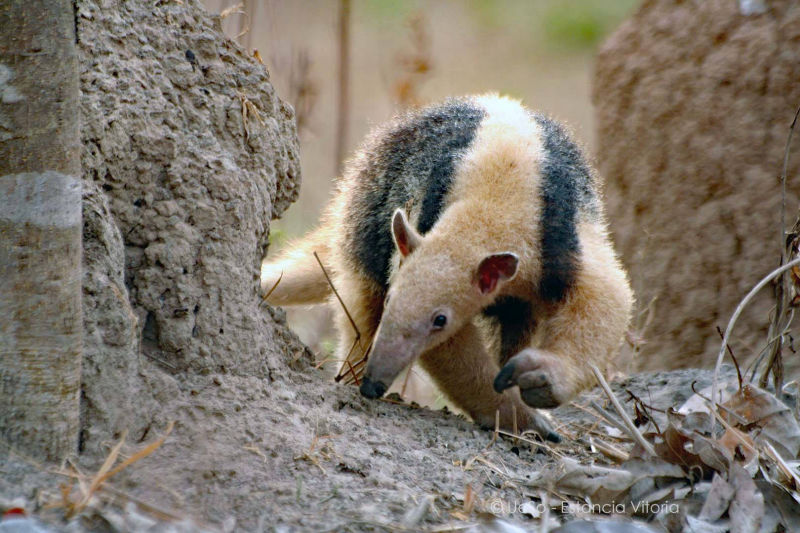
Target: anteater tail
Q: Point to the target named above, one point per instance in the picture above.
(301, 278)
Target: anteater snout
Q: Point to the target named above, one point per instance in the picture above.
(372, 389)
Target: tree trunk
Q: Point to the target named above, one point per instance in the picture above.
(40, 228)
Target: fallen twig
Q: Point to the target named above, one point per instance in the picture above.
(609, 450)
(611, 420)
(631, 429)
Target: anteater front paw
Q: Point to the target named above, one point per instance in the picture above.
(539, 375)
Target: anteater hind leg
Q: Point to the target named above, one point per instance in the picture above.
(586, 327)
(463, 370)
(363, 300)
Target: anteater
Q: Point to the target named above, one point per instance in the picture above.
(469, 235)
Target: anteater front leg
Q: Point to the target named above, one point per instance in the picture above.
(463, 370)
(587, 326)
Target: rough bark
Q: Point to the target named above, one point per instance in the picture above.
(40, 228)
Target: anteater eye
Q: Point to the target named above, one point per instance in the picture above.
(439, 321)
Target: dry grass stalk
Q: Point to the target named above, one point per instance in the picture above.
(156, 511)
(738, 435)
(315, 452)
(636, 335)
(238, 9)
(781, 321)
(99, 477)
(786, 470)
(231, 10)
(255, 449)
(106, 471)
(629, 426)
(482, 460)
(607, 417)
(540, 445)
(91, 487)
(597, 412)
(469, 500)
(514, 419)
(269, 292)
(353, 370)
(405, 383)
(733, 357)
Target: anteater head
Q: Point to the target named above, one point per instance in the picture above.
(438, 288)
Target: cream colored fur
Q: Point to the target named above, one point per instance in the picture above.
(490, 212)
(296, 278)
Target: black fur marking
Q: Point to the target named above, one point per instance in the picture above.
(411, 167)
(516, 323)
(567, 188)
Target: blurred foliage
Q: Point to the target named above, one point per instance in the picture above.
(327, 347)
(277, 238)
(558, 24)
(583, 23)
(388, 10)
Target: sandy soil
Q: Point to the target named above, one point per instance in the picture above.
(305, 454)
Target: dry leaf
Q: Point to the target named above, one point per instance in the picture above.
(747, 507)
(763, 410)
(718, 500)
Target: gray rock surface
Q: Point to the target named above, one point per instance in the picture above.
(187, 155)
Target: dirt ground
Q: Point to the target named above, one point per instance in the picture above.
(302, 453)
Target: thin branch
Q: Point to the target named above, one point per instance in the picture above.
(333, 288)
(735, 362)
(351, 368)
(629, 426)
(607, 417)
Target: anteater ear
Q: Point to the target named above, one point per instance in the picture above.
(406, 237)
(494, 269)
